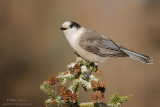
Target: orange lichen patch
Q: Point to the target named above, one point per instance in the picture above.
(101, 84)
(61, 88)
(52, 80)
(68, 93)
(61, 93)
(98, 72)
(94, 85)
(53, 101)
(74, 98)
(77, 65)
(77, 68)
(65, 99)
(67, 72)
(76, 71)
(94, 97)
(100, 95)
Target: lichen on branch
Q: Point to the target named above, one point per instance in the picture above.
(77, 73)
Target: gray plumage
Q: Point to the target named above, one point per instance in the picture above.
(93, 42)
(137, 56)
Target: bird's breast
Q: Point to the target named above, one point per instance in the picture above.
(74, 40)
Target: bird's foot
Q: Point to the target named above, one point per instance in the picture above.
(88, 75)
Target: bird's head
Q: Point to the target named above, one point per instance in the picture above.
(70, 27)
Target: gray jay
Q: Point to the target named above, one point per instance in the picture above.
(95, 47)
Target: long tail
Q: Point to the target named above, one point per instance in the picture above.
(138, 56)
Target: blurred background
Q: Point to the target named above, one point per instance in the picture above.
(32, 48)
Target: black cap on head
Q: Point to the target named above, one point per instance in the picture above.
(74, 24)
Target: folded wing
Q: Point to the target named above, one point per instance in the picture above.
(93, 42)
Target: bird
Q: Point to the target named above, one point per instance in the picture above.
(94, 47)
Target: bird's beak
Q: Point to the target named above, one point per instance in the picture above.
(62, 28)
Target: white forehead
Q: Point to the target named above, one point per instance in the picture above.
(66, 24)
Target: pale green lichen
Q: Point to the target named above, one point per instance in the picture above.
(73, 85)
(117, 101)
(93, 78)
(77, 80)
(84, 69)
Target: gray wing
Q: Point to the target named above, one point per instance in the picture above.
(93, 42)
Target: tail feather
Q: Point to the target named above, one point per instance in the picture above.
(137, 56)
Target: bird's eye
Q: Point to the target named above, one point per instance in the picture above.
(71, 25)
